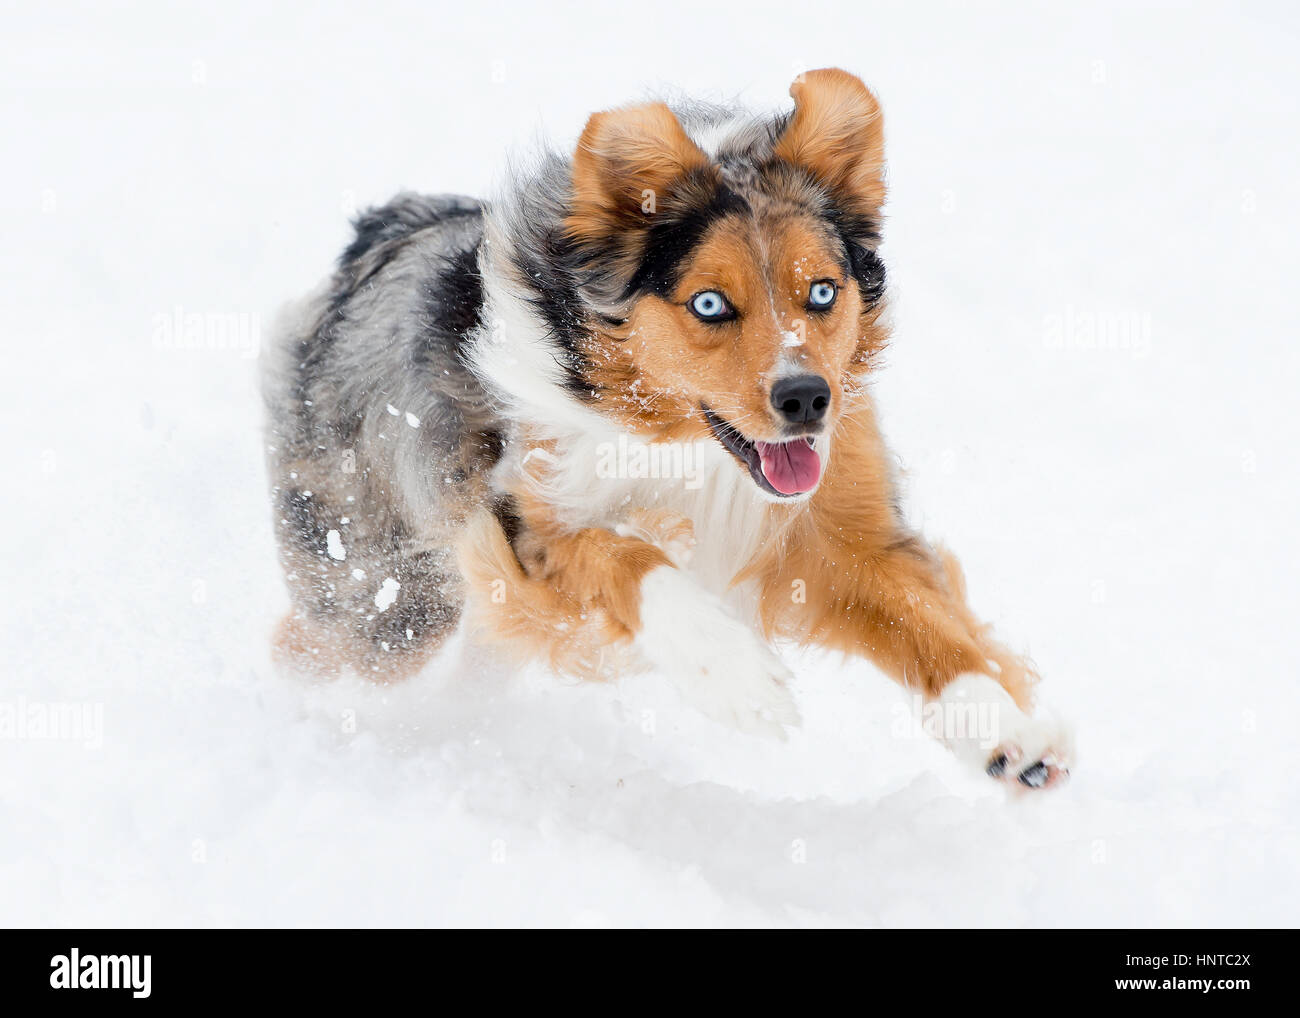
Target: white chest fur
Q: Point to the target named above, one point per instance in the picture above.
(599, 476)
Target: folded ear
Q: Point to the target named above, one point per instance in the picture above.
(837, 133)
(625, 163)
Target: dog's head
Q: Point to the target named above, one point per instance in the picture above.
(736, 287)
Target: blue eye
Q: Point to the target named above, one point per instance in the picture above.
(822, 294)
(710, 306)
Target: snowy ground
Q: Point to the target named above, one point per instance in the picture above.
(1125, 505)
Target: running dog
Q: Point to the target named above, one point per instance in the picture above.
(618, 418)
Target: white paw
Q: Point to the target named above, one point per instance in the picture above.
(985, 727)
(720, 665)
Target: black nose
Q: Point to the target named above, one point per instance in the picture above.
(802, 399)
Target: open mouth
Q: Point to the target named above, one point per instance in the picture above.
(784, 469)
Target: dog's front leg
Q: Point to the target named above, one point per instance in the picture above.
(902, 604)
(594, 594)
(917, 624)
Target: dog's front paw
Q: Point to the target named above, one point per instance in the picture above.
(1039, 755)
(984, 726)
(738, 681)
(720, 665)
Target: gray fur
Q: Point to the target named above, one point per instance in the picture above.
(381, 335)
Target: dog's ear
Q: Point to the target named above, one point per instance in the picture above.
(625, 162)
(837, 133)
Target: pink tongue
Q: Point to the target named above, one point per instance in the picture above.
(790, 467)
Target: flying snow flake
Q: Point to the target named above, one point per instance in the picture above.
(334, 545)
(412, 420)
(358, 574)
(387, 594)
(393, 410)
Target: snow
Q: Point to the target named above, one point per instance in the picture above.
(1091, 392)
(387, 593)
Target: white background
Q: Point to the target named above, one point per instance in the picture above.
(1126, 512)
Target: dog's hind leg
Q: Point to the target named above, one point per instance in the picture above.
(308, 648)
(320, 649)
(366, 596)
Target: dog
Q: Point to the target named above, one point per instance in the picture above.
(618, 418)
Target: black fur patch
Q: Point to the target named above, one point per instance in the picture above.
(860, 235)
(507, 514)
(506, 511)
(556, 299)
(492, 444)
(453, 304)
(672, 237)
(303, 518)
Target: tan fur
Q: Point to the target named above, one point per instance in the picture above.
(838, 133)
(843, 574)
(624, 158)
(577, 605)
(299, 646)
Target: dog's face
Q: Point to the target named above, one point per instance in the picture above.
(742, 287)
(759, 335)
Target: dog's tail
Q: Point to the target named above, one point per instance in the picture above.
(529, 617)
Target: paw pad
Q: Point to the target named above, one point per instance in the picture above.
(1039, 774)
